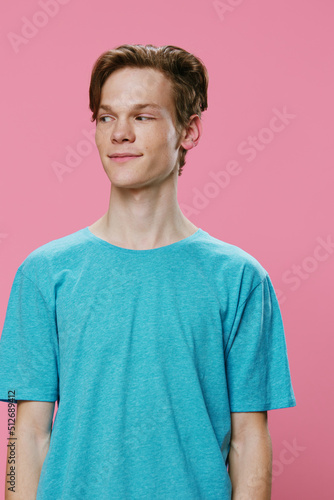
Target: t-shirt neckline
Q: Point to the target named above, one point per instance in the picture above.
(132, 251)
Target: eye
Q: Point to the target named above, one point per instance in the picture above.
(101, 119)
(146, 117)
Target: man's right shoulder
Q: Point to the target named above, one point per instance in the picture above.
(54, 251)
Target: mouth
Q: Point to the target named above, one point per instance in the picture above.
(122, 158)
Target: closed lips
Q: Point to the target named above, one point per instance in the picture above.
(122, 155)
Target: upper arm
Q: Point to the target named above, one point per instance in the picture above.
(35, 416)
(248, 424)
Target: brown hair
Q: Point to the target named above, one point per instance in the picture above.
(187, 73)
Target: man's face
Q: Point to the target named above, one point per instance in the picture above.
(148, 132)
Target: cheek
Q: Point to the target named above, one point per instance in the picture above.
(163, 139)
(100, 138)
(171, 138)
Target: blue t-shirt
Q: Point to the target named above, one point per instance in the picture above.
(146, 352)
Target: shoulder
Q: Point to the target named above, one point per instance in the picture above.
(231, 266)
(47, 258)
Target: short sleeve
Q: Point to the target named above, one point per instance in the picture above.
(257, 367)
(29, 354)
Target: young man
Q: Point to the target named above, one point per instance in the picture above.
(163, 345)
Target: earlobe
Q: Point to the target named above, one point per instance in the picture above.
(193, 144)
(189, 145)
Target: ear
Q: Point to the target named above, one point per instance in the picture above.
(192, 133)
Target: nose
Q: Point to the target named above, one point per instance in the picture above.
(121, 130)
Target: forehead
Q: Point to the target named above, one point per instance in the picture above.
(130, 86)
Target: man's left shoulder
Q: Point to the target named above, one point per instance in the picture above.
(234, 262)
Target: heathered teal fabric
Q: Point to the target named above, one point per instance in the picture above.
(147, 352)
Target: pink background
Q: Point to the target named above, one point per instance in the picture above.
(277, 203)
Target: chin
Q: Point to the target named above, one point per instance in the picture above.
(121, 181)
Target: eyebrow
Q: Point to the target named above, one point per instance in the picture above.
(106, 107)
